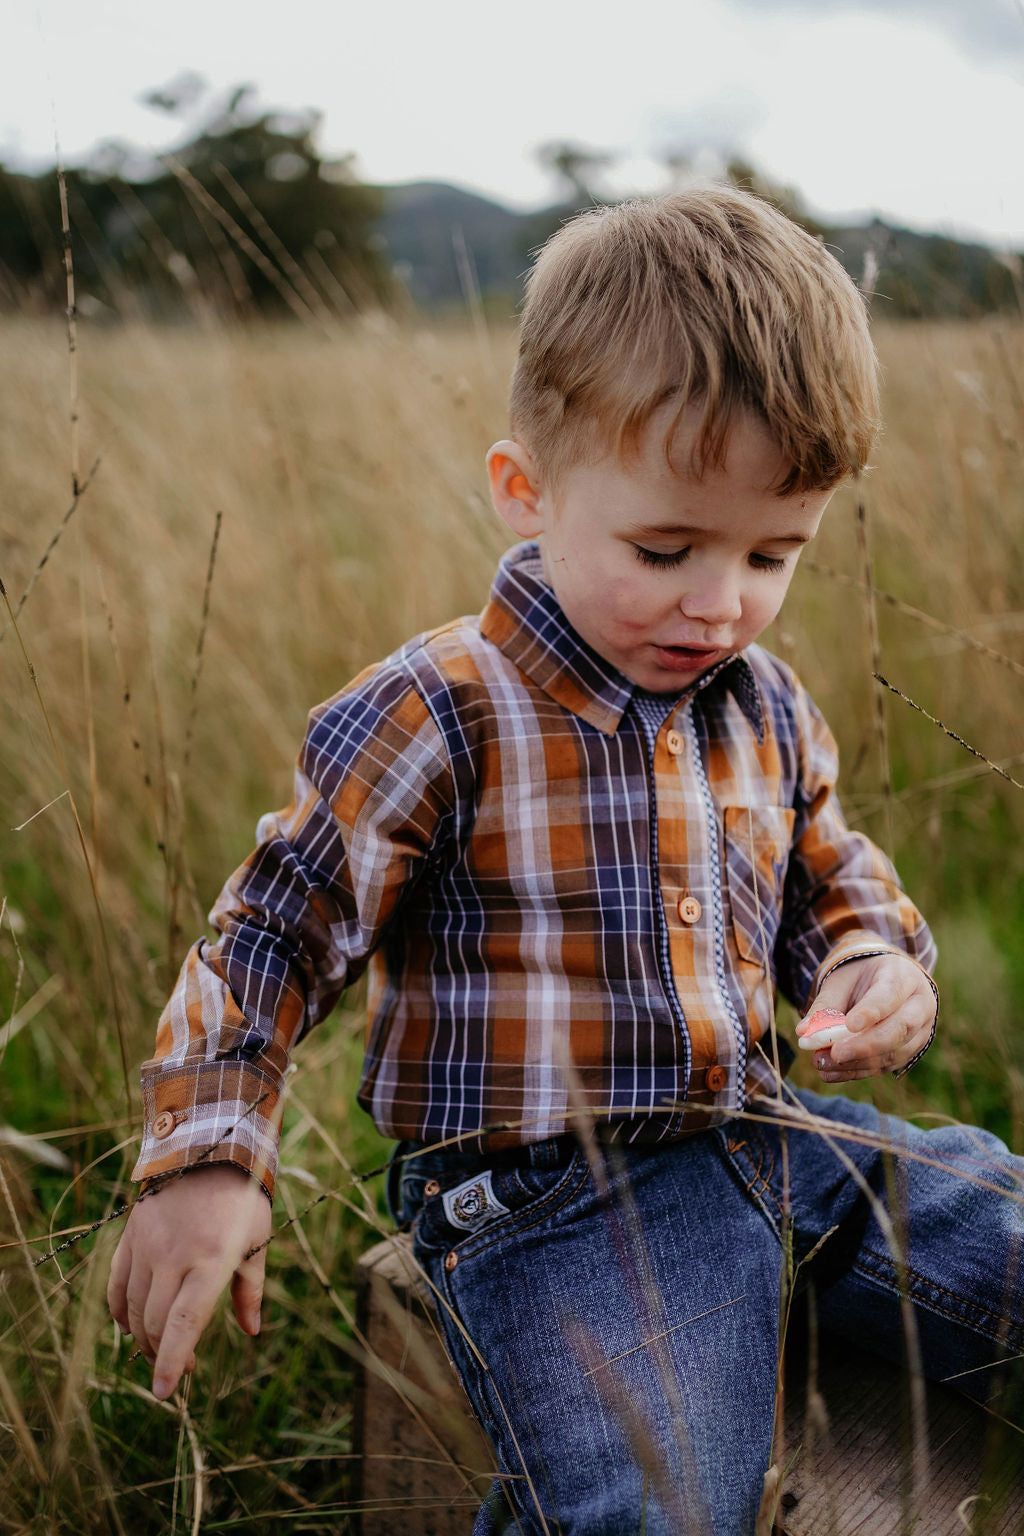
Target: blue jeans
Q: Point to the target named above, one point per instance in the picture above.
(617, 1327)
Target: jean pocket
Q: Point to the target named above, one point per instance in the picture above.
(489, 1203)
(758, 839)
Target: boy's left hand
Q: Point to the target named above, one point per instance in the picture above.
(889, 1007)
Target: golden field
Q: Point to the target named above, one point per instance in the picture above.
(164, 705)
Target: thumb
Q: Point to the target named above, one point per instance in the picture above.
(247, 1291)
(836, 992)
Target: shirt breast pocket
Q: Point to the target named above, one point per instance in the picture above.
(757, 843)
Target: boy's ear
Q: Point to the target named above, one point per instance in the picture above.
(515, 488)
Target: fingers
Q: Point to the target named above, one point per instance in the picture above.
(117, 1285)
(869, 990)
(147, 1316)
(179, 1251)
(247, 1291)
(865, 1065)
(876, 1048)
(137, 1293)
(188, 1311)
(148, 1301)
(889, 1007)
(885, 998)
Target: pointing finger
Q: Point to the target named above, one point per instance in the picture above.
(188, 1314)
(163, 1291)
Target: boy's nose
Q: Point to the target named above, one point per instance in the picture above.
(713, 603)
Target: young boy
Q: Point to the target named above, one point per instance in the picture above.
(578, 842)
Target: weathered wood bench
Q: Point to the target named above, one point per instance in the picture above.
(424, 1464)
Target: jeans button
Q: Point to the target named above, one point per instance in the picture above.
(450, 1261)
(431, 1188)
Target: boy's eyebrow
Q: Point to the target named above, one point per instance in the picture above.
(659, 530)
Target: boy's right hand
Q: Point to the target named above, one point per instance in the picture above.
(180, 1248)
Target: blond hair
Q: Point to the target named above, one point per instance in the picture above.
(710, 298)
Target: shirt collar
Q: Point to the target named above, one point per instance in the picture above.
(524, 620)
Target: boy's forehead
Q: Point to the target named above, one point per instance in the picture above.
(667, 447)
(748, 447)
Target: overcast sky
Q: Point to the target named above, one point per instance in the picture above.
(910, 108)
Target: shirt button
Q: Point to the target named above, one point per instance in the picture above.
(431, 1188)
(689, 909)
(674, 742)
(715, 1078)
(163, 1125)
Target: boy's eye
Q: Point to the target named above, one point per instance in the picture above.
(661, 562)
(768, 562)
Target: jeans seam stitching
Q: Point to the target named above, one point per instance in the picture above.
(766, 1179)
(479, 1376)
(518, 1178)
(756, 1175)
(923, 1280)
(954, 1296)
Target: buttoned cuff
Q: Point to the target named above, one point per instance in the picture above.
(214, 1112)
(864, 949)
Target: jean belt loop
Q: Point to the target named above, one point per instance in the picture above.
(549, 1154)
(393, 1181)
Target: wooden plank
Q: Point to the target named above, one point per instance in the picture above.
(425, 1464)
(852, 1476)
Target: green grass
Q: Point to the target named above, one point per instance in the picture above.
(349, 474)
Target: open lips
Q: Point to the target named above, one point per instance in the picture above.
(824, 1027)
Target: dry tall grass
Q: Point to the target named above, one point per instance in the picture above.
(348, 469)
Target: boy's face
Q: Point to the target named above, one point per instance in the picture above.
(664, 575)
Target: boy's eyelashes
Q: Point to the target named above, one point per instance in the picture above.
(768, 562)
(666, 561)
(661, 562)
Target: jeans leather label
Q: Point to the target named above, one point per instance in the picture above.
(473, 1203)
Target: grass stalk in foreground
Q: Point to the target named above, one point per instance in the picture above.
(354, 514)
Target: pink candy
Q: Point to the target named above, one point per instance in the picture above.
(824, 1027)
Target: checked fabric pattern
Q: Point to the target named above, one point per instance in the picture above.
(501, 829)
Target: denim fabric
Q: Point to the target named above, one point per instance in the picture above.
(624, 1318)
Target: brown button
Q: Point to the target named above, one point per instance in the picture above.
(674, 742)
(450, 1261)
(715, 1078)
(689, 909)
(431, 1188)
(163, 1125)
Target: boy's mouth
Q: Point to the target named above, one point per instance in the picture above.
(684, 658)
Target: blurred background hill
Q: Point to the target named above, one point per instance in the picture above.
(248, 217)
(912, 275)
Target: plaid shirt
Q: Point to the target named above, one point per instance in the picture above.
(569, 895)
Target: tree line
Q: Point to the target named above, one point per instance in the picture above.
(247, 218)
